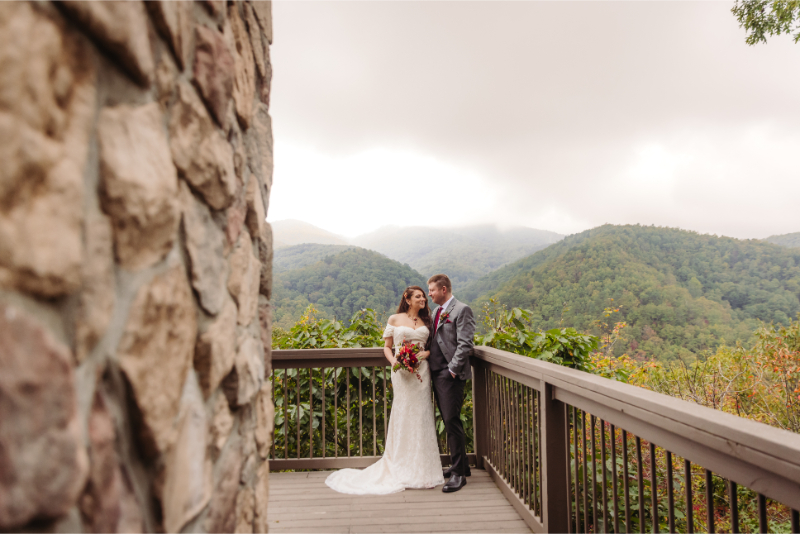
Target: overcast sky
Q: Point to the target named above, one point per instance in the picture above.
(555, 115)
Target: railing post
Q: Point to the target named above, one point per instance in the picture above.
(555, 505)
(480, 412)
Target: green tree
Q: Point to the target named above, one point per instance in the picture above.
(768, 17)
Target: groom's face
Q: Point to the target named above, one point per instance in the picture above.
(438, 294)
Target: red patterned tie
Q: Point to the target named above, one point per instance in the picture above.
(436, 321)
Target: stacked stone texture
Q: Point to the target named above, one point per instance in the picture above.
(135, 266)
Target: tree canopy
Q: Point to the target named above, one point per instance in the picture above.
(680, 293)
(341, 284)
(768, 17)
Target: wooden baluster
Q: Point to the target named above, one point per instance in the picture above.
(710, 502)
(614, 477)
(274, 427)
(640, 482)
(360, 414)
(297, 421)
(286, 414)
(480, 413)
(537, 451)
(492, 399)
(374, 419)
(626, 481)
(687, 470)
(504, 427)
(763, 524)
(603, 471)
(585, 486)
(593, 421)
(336, 412)
(567, 426)
(670, 494)
(555, 509)
(578, 488)
(653, 487)
(310, 412)
(734, 506)
(347, 411)
(324, 410)
(529, 450)
(515, 436)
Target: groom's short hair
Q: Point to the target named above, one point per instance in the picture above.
(441, 280)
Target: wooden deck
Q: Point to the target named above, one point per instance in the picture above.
(301, 502)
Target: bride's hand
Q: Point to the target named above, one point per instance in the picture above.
(423, 355)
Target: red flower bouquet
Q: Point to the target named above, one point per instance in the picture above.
(407, 359)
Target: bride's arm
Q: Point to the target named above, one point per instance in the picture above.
(388, 350)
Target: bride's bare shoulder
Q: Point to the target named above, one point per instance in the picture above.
(393, 320)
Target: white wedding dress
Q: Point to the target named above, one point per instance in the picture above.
(411, 457)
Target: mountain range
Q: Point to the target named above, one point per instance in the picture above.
(339, 284)
(465, 253)
(680, 293)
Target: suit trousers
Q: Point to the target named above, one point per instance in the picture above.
(449, 393)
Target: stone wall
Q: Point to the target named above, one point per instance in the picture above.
(135, 266)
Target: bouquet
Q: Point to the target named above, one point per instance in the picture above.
(407, 359)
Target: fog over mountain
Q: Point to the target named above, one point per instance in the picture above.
(785, 240)
(464, 253)
(291, 232)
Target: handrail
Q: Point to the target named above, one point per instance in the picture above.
(771, 450)
(352, 430)
(306, 358)
(762, 458)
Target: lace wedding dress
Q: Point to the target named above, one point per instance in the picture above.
(411, 458)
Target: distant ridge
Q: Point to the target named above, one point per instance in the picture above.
(464, 254)
(298, 256)
(339, 284)
(785, 240)
(681, 293)
(290, 232)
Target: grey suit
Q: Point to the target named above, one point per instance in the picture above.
(455, 337)
(450, 351)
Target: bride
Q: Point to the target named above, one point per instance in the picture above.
(411, 457)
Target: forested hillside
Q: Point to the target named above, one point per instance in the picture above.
(297, 256)
(464, 254)
(679, 292)
(341, 284)
(785, 240)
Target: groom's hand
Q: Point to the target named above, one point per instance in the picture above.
(452, 374)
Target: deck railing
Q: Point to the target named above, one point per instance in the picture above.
(573, 452)
(332, 407)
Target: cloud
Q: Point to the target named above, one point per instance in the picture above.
(557, 115)
(358, 193)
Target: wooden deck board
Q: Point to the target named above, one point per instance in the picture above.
(301, 502)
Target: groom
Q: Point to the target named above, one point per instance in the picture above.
(453, 331)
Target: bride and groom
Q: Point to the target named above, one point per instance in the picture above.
(411, 456)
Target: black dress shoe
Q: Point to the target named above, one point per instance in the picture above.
(455, 483)
(447, 473)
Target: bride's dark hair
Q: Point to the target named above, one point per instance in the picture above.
(424, 313)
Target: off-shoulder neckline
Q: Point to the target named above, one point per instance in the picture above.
(410, 328)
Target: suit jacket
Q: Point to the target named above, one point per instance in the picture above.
(455, 337)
